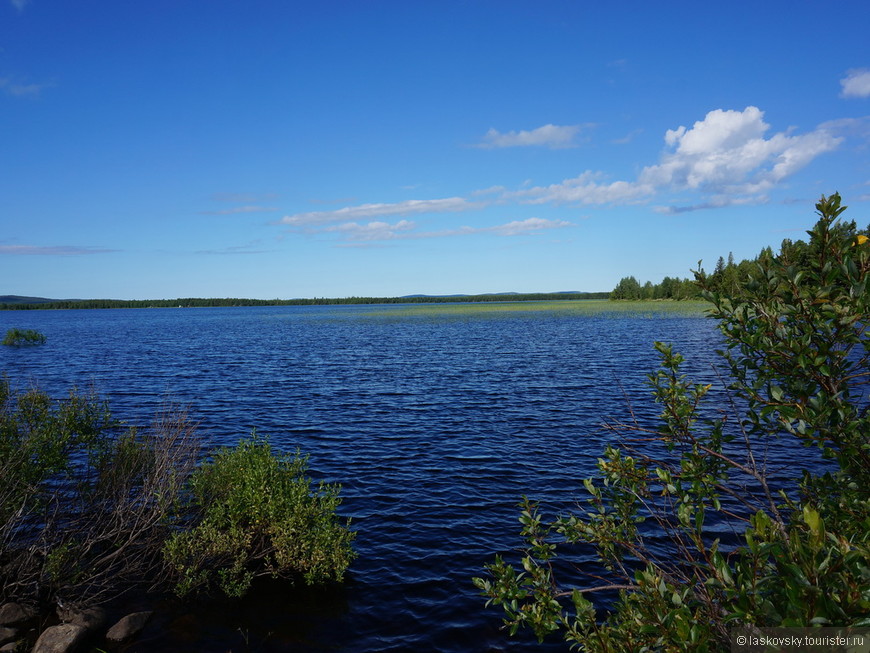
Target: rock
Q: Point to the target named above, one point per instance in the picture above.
(128, 626)
(11, 647)
(7, 634)
(90, 619)
(12, 614)
(64, 638)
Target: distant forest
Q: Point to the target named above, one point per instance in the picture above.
(15, 303)
(727, 277)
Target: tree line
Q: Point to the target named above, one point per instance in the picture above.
(727, 277)
(196, 302)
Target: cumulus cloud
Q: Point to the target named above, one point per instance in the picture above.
(364, 211)
(552, 136)
(54, 250)
(725, 157)
(727, 154)
(856, 83)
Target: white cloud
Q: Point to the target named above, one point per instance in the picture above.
(378, 231)
(720, 130)
(363, 211)
(514, 228)
(528, 226)
(856, 83)
(726, 154)
(552, 136)
(55, 250)
(253, 247)
(372, 231)
(20, 4)
(492, 190)
(628, 138)
(21, 90)
(583, 189)
(725, 157)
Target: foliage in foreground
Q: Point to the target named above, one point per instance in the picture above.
(19, 337)
(797, 352)
(84, 505)
(258, 516)
(90, 510)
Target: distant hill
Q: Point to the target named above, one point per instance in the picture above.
(19, 299)
(419, 295)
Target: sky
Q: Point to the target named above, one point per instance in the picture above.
(277, 149)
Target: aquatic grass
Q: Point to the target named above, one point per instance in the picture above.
(21, 337)
(578, 308)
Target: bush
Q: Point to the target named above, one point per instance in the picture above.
(90, 510)
(798, 355)
(85, 505)
(258, 517)
(19, 337)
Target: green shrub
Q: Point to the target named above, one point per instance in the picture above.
(85, 505)
(798, 353)
(38, 441)
(259, 516)
(90, 510)
(19, 337)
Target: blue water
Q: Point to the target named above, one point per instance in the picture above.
(435, 426)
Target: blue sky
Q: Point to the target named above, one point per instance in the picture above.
(282, 149)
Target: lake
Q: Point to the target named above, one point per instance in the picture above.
(435, 420)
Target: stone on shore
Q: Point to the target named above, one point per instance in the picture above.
(90, 619)
(64, 638)
(128, 627)
(12, 614)
(7, 635)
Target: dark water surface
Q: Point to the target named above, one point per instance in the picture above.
(435, 425)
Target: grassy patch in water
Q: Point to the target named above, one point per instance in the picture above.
(580, 307)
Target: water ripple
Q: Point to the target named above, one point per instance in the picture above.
(435, 429)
